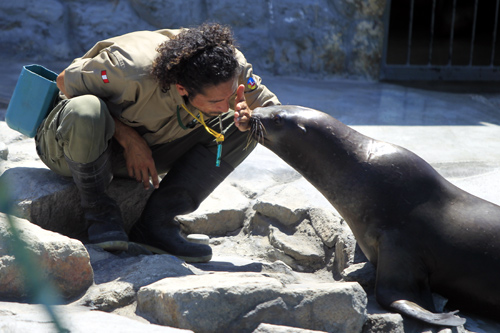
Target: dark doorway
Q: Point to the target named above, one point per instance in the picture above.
(441, 40)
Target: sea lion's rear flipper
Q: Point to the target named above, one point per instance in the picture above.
(416, 311)
(402, 285)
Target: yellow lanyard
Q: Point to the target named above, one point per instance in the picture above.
(219, 137)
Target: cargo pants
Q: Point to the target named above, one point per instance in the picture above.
(82, 128)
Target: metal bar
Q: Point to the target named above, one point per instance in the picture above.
(452, 31)
(387, 17)
(473, 34)
(410, 31)
(433, 17)
(494, 42)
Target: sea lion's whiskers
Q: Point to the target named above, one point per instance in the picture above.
(257, 131)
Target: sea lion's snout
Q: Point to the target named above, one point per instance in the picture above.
(257, 131)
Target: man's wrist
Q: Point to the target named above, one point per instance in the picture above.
(123, 133)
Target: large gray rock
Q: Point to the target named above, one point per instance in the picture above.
(18, 317)
(118, 278)
(289, 204)
(303, 246)
(39, 255)
(239, 302)
(53, 202)
(222, 220)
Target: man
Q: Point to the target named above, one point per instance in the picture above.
(176, 101)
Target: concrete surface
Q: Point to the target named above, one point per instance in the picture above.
(453, 126)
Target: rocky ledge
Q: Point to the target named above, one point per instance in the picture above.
(284, 260)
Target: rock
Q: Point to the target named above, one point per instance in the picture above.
(233, 302)
(278, 269)
(118, 277)
(384, 323)
(307, 250)
(154, 12)
(109, 296)
(345, 252)
(215, 217)
(140, 270)
(62, 261)
(289, 203)
(18, 317)
(52, 201)
(364, 273)
(328, 225)
(268, 328)
(38, 24)
(90, 24)
(291, 37)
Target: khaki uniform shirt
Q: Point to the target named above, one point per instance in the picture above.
(118, 71)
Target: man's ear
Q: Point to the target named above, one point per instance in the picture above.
(182, 91)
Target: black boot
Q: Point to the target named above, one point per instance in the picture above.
(192, 178)
(100, 211)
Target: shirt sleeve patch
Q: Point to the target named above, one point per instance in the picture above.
(104, 77)
(251, 84)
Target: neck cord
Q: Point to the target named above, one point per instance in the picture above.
(219, 137)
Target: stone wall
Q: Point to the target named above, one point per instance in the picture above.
(320, 38)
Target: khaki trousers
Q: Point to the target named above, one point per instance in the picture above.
(82, 128)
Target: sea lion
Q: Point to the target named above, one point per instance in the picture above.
(421, 232)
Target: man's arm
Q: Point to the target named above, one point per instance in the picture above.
(138, 155)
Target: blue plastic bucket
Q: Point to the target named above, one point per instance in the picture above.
(34, 96)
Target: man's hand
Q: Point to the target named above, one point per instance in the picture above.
(60, 83)
(140, 163)
(138, 155)
(242, 112)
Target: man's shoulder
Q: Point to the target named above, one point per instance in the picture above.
(138, 40)
(135, 51)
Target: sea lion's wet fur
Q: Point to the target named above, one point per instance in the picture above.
(423, 233)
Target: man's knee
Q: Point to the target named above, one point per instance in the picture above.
(85, 128)
(89, 113)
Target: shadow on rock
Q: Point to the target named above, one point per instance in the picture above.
(53, 202)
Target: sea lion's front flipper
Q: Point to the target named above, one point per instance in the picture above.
(402, 284)
(416, 311)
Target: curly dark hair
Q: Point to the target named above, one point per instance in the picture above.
(197, 58)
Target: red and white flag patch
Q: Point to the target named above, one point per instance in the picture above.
(104, 77)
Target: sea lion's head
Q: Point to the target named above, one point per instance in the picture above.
(271, 124)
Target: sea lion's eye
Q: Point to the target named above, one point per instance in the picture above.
(277, 119)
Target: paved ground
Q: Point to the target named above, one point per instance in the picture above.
(455, 127)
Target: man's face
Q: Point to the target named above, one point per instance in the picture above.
(214, 100)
